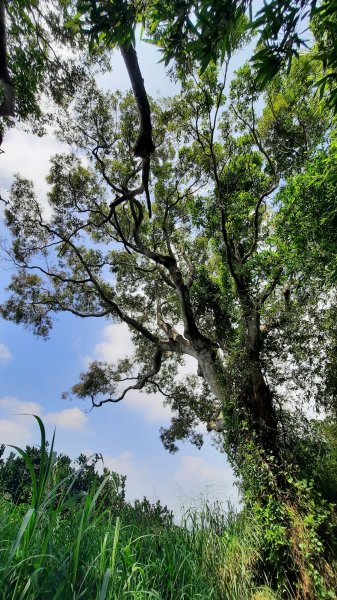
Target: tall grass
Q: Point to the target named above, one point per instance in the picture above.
(67, 547)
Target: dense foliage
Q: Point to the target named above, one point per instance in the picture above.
(15, 476)
(39, 61)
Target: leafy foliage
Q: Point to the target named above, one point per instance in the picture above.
(209, 31)
(307, 220)
(45, 61)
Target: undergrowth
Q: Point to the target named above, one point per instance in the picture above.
(70, 546)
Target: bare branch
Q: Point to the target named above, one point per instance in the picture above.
(79, 313)
(142, 380)
(144, 145)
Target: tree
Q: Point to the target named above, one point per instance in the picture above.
(220, 292)
(200, 271)
(209, 183)
(74, 479)
(79, 476)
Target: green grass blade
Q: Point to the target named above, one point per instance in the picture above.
(46, 474)
(22, 530)
(76, 552)
(25, 589)
(97, 494)
(115, 544)
(105, 583)
(103, 553)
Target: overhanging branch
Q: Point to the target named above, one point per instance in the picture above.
(144, 146)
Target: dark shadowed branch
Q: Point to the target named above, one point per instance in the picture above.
(144, 145)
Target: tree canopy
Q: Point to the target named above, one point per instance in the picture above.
(203, 32)
(33, 36)
(208, 260)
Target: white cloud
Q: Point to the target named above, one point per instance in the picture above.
(123, 463)
(16, 425)
(69, 418)
(116, 344)
(14, 406)
(5, 352)
(15, 433)
(29, 155)
(19, 428)
(151, 405)
(138, 482)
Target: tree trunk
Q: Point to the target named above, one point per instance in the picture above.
(259, 397)
(254, 400)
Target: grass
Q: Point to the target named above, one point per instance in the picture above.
(70, 545)
(84, 554)
(67, 547)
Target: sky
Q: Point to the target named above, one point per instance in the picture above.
(34, 372)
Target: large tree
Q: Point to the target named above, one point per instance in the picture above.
(203, 276)
(199, 269)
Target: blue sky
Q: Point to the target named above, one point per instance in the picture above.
(34, 373)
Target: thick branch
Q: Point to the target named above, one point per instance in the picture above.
(269, 288)
(144, 145)
(171, 332)
(191, 330)
(229, 253)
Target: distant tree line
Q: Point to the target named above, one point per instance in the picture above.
(79, 477)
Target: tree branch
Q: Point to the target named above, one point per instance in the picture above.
(169, 330)
(142, 380)
(229, 253)
(269, 288)
(144, 145)
(256, 222)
